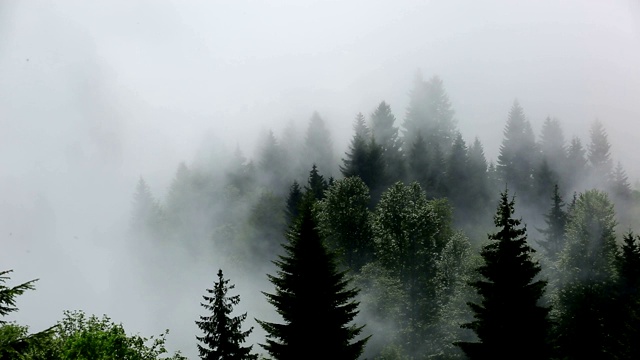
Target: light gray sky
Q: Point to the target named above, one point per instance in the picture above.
(94, 94)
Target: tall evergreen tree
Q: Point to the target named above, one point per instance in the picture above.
(223, 335)
(386, 134)
(552, 147)
(293, 202)
(629, 296)
(313, 298)
(272, 164)
(479, 186)
(147, 215)
(418, 162)
(576, 169)
(509, 322)
(517, 153)
(554, 233)
(599, 156)
(430, 113)
(316, 184)
(318, 145)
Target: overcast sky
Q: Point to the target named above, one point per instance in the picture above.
(94, 94)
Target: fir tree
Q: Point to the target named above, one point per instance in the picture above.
(599, 155)
(293, 202)
(316, 184)
(386, 134)
(509, 322)
(313, 298)
(556, 220)
(629, 296)
(457, 176)
(576, 169)
(318, 145)
(147, 215)
(418, 161)
(223, 335)
(517, 153)
(552, 147)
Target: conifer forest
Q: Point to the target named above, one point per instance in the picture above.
(400, 233)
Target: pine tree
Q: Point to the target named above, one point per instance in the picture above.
(552, 147)
(293, 202)
(147, 215)
(517, 153)
(272, 164)
(576, 169)
(386, 134)
(418, 161)
(599, 156)
(313, 298)
(316, 184)
(479, 190)
(223, 335)
(629, 296)
(556, 220)
(318, 145)
(509, 322)
(457, 176)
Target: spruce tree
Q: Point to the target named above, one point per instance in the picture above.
(313, 298)
(509, 322)
(517, 156)
(293, 202)
(599, 156)
(316, 184)
(556, 220)
(223, 336)
(629, 296)
(576, 169)
(386, 134)
(318, 147)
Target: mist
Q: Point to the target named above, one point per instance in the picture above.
(94, 96)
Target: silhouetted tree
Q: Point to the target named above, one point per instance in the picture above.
(313, 299)
(223, 335)
(629, 296)
(293, 202)
(509, 321)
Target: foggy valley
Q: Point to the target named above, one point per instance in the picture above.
(146, 145)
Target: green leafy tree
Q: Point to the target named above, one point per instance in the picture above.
(344, 221)
(410, 232)
(223, 335)
(509, 321)
(585, 302)
(313, 298)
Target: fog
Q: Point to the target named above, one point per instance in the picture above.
(95, 95)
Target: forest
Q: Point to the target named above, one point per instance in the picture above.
(408, 244)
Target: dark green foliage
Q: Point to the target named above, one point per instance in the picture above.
(629, 296)
(386, 134)
(316, 184)
(223, 335)
(313, 298)
(517, 153)
(293, 202)
(318, 145)
(509, 322)
(554, 233)
(344, 222)
(599, 156)
(8, 294)
(365, 159)
(410, 233)
(587, 273)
